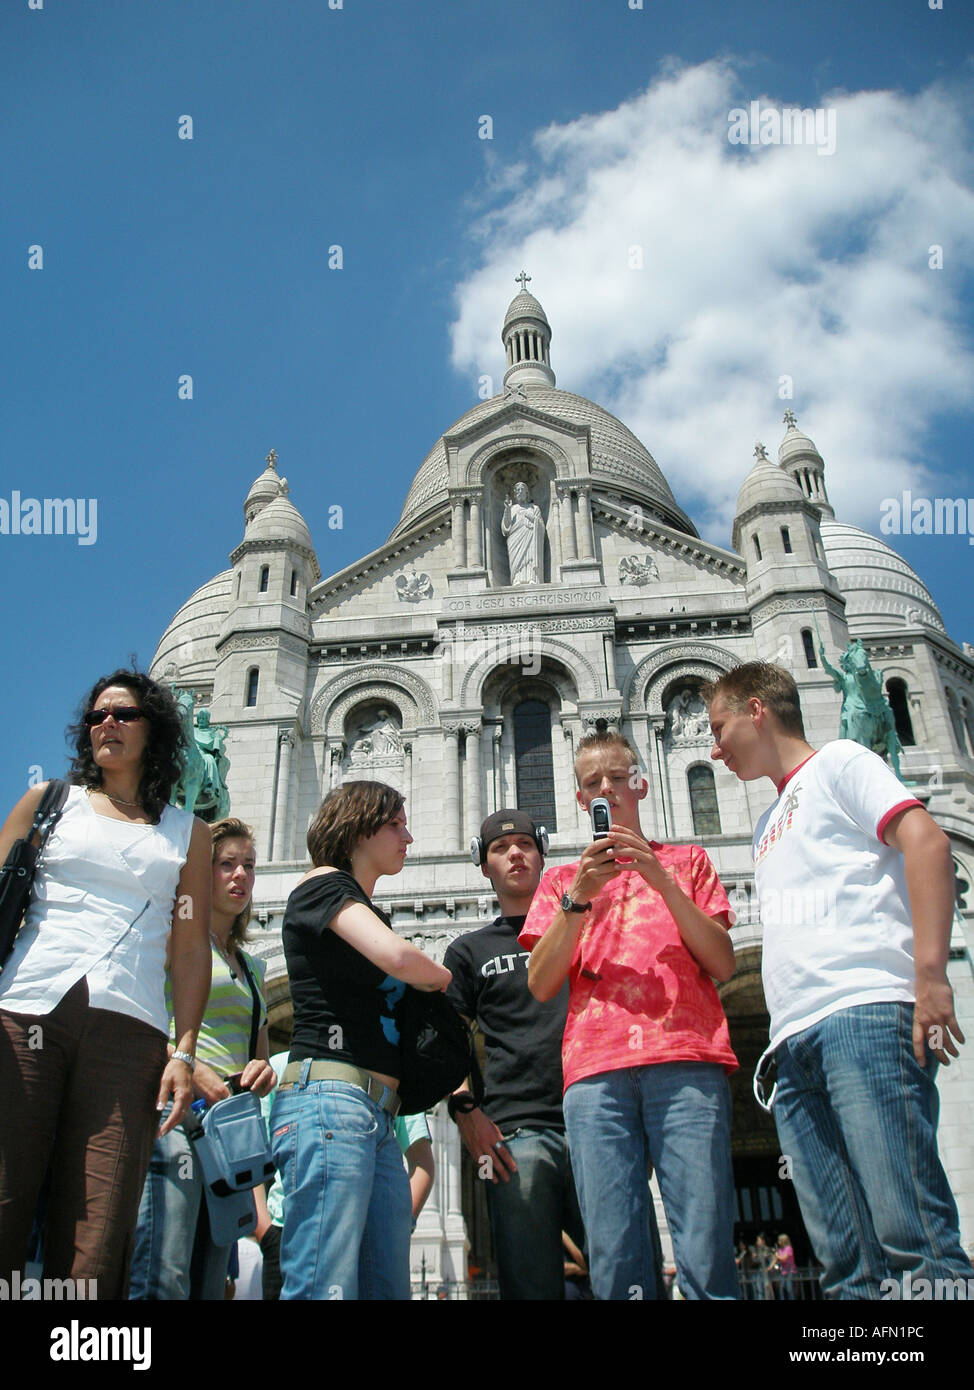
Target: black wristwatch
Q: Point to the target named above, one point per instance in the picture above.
(568, 904)
(462, 1103)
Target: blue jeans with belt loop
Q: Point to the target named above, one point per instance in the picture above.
(175, 1257)
(857, 1116)
(346, 1195)
(675, 1116)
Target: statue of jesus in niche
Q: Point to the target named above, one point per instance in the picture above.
(523, 528)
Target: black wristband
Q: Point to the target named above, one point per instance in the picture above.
(462, 1103)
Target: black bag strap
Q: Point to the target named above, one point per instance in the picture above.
(48, 811)
(255, 1017)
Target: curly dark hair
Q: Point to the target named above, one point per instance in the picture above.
(350, 813)
(162, 761)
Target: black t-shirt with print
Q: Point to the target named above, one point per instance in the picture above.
(344, 1006)
(522, 1038)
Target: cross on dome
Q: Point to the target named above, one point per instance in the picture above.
(271, 458)
(790, 419)
(522, 280)
(760, 452)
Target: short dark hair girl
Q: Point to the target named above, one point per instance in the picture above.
(348, 814)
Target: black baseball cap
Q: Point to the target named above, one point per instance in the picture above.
(506, 822)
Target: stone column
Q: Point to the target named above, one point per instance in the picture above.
(459, 528)
(451, 788)
(608, 642)
(476, 546)
(407, 781)
(568, 546)
(472, 784)
(285, 741)
(496, 769)
(586, 537)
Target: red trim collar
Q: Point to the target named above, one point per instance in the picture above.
(785, 780)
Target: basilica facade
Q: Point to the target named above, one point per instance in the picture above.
(543, 581)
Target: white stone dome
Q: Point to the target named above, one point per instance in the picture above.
(189, 642)
(879, 587)
(525, 306)
(618, 458)
(766, 482)
(280, 520)
(796, 445)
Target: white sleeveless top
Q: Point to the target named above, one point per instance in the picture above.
(101, 908)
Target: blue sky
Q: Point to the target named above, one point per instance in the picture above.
(359, 127)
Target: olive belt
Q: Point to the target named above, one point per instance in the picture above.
(342, 1071)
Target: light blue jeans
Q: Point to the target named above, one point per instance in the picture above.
(347, 1209)
(175, 1257)
(529, 1212)
(675, 1116)
(858, 1118)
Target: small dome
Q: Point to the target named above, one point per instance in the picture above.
(796, 445)
(879, 587)
(766, 482)
(280, 520)
(525, 306)
(264, 489)
(187, 649)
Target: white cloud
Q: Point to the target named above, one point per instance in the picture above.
(759, 262)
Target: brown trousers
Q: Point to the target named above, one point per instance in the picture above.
(78, 1089)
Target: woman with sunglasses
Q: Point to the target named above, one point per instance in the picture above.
(83, 1022)
(347, 1210)
(175, 1255)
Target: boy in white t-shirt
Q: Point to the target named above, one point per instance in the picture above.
(855, 886)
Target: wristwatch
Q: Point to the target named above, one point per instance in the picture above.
(462, 1103)
(186, 1057)
(568, 904)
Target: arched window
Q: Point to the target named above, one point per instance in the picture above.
(786, 539)
(253, 678)
(896, 691)
(757, 547)
(534, 767)
(265, 574)
(808, 642)
(703, 801)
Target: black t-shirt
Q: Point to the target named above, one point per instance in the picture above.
(344, 1006)
(522, 1038)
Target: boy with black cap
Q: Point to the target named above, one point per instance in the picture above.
(517, 1140)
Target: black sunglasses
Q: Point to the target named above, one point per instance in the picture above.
(122, 714)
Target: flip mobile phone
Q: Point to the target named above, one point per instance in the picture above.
(601, 813)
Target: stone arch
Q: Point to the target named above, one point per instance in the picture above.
(412, 697)
(542, 645)
(479, 466)
(643, 690)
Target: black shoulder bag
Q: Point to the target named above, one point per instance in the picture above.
(438, 1051)
(17, 874)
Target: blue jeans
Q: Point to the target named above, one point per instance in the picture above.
(175, 1257)
(858, 1118)
(347, 1209)
(529, 1212)
(675, 1116)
